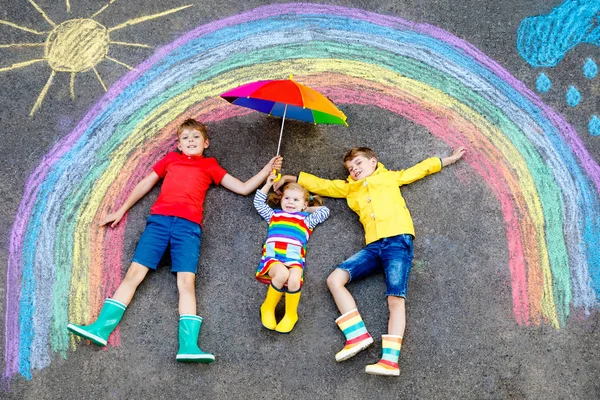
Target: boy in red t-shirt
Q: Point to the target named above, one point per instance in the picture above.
(175, 219)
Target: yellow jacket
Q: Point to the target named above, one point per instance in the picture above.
(376, 199)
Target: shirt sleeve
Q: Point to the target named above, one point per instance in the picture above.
(317, 217)
(161, 167)
(260, 203)
(324, 187)
(418, 171)
(217, 172)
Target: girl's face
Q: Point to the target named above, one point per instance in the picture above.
(292, 200)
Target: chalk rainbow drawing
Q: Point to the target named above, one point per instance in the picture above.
(61, 266)
(75, 46)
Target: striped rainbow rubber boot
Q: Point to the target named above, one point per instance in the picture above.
(388, 365)
(357, 337)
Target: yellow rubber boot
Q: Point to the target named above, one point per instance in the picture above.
(267, 310)
(291, 313)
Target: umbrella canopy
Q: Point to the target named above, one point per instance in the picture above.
(288, 99)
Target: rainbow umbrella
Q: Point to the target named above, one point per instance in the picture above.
(288, 99)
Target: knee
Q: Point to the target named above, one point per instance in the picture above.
(186, 282)
(293, 284)
(396, 303)
(338, 278)
(135, 275)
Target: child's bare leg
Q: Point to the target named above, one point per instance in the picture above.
(279, 274)
(397, 322)
(187, 292)
(350, 322)
(189, 322)
(134, 276)
(292, 298)
(392, 342)
(113, 308)
(336, 282)
(294, 279)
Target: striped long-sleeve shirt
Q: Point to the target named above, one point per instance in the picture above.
(287, 235)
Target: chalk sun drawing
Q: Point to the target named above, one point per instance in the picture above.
(544, 180)
(75, 46)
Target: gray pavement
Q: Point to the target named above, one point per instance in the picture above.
(462, 338)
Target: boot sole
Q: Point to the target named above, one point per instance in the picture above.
(382, 372)
(86, 335)
(204, 359)
(355, 350)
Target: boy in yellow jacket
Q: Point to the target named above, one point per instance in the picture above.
(373, 192)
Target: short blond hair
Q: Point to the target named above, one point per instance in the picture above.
(359, 151)
(195, 125)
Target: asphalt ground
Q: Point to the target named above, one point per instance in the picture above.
(462, 338)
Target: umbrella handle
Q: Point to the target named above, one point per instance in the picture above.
(278, 177)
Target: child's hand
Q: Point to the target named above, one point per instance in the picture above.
(271, 178)
(114, 218)
(275, 164)
(284, 179)
(456, 155)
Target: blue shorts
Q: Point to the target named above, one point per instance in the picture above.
(393, 255)
(183, 236)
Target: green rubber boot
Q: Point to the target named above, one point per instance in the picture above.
(189, 329)
(107, 321)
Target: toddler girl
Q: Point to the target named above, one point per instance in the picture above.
(283, 255)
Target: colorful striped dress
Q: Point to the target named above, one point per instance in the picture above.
(287, 236)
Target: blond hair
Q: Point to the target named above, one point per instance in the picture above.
(274, 199)
(195, 125)
(359, 151)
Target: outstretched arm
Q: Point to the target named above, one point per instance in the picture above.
(244, 188)
(138, 192)
(454, 157)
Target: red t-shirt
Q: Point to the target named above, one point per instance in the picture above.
(186, 180)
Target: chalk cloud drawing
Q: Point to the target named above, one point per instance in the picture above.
(544, 40)
(75, 46)
(546, 184)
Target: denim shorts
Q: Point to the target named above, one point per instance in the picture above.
(392, 255)
(183, 236)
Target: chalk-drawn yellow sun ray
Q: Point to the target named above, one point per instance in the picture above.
(100, 79)
(120, 63)
(75, 46)
(40, 98)
(23, 28)
(130, 44)
(72, 85)
(147, 18)
(22, 64)
(43, 13)
(6, 46)
(102, 9)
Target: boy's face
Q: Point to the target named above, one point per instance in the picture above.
(191, 142)
(361, 167)
(292, 200)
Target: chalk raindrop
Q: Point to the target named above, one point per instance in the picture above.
(590, 69)
(543, 83)
(573, 96)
